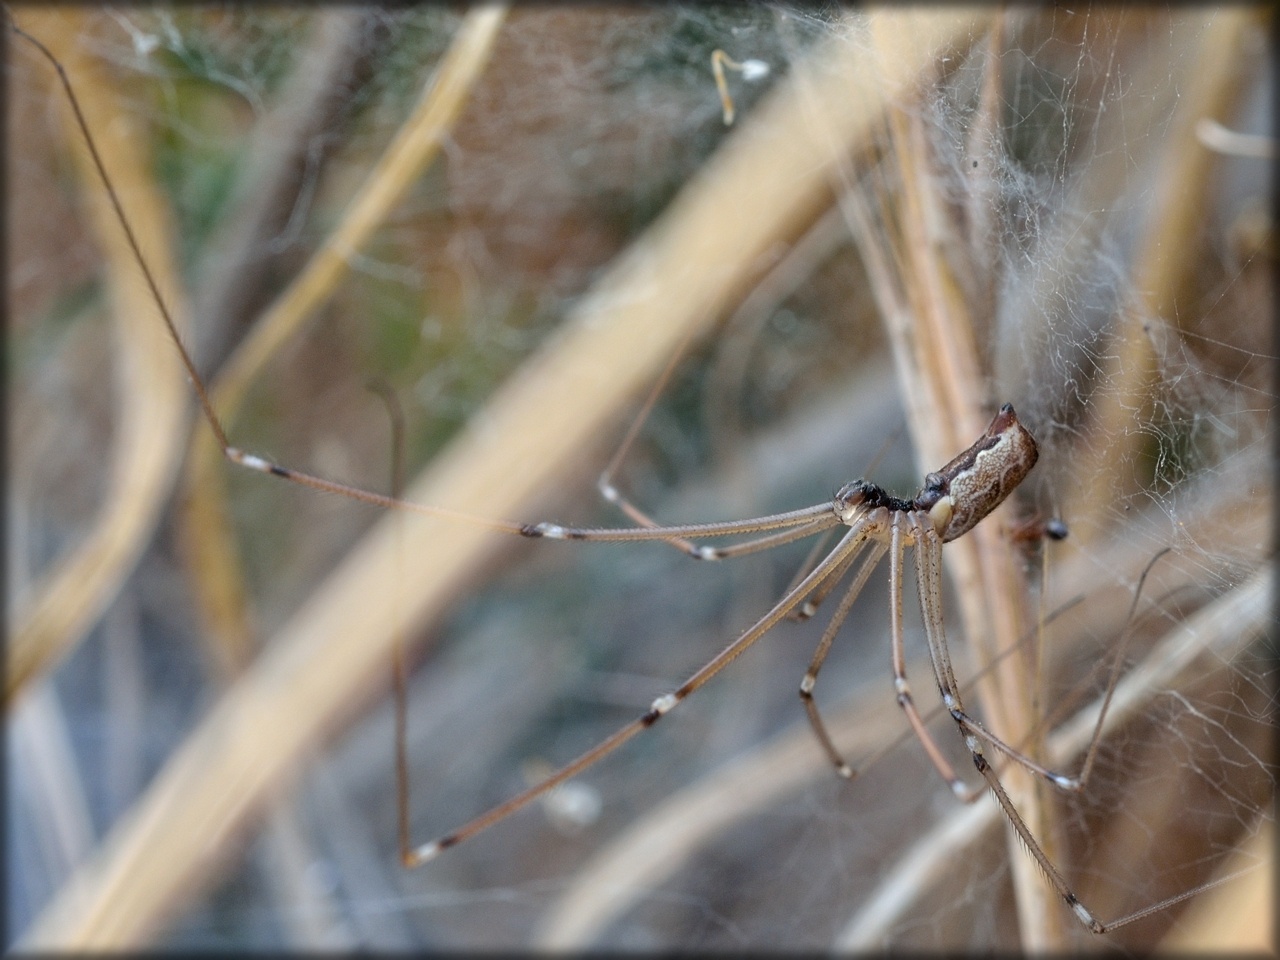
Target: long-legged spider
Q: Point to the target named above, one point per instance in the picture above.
(951, 502)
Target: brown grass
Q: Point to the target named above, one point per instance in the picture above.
(244, 779)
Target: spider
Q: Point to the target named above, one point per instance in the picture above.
(951, 502)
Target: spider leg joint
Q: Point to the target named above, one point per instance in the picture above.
(663, 704)
(549, 531)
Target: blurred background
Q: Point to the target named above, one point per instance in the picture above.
(1071, 211)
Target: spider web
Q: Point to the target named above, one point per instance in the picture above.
(1111, 274)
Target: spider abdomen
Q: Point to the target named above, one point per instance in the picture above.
(963, 492)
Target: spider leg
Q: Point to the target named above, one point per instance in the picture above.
(929, 572)
(929, 575)
(849, 544)
(905, 701)
(817, 517)
(810, 606)
(610, 492)
(824, 646)
(929, 587)
(970, 725)
(1081, 912)
(1011, 814)
(768, 542)
(929, 547)
(605, 484)
(1114, 678)
(637, 516)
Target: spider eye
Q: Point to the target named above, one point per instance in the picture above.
(858, 491)
(854, 495)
